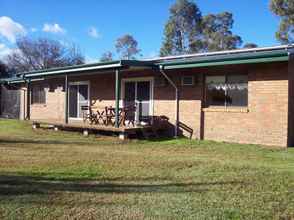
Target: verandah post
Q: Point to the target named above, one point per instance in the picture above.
(117, 96)
(28, 116)
(66, 99)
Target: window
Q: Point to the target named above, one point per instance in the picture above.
(188, 81)
(227, 90)
(38, 95)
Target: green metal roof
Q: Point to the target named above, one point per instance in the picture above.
(259, 55)
(12, 80)
(227, 59)
(87, 67)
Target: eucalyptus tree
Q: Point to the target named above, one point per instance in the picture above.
(284, 9)
(127, 47)
(187, 31)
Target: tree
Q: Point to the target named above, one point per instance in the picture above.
(284, 9)
(107, 56)
(250, 45)
(187, 31)
(127, 47)
(3, 70)
(217, 32)
(182, 33)
(43, 53)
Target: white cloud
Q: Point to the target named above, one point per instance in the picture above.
(34, 29)
(4, 50)
(93, 32)
(53, 28)
(10, 29)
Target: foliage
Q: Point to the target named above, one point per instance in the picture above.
(250, 45)
(284, 9)
(217, 32)
(107, 56)
(182, 32)
(3, 70)
(43, 53)
(127, 47)
(187, 31)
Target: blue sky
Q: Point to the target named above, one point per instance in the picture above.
(95, 25)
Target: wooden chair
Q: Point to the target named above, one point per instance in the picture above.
(130, 115)
(88, 115)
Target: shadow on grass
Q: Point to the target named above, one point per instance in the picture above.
(46, 142)
(24, 185)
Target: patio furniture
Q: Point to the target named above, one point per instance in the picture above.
(129, 115)
(101, 117)
(125, 115)
(107, 116)
(89, 115)
(110, 115)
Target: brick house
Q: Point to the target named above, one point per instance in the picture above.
(243, 96)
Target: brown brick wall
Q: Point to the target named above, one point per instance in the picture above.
(264, 122)
(189, 106)
(267, 116)
(53, 109)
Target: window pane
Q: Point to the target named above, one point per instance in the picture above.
(237, 97)
(216, 96)
(237, 90)
(227, 91)
(215, 90)
(143, 91)
(143, 110)
(83, 91)
(215, 79)
(38, 95)
(130, 91)
(73, 101)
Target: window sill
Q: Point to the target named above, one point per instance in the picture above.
(38, 105)
(226, 109)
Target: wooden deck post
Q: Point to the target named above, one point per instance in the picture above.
(66, 100)
(28, 116)
(117, 96)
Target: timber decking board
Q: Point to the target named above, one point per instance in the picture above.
(81, 125)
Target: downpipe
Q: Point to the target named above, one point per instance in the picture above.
(161, 70)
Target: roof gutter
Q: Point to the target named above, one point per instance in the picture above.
(226, 52)
(66, 71)
(225, 60)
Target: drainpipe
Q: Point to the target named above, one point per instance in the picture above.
(161, 70)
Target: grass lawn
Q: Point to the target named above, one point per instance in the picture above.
(60, 175)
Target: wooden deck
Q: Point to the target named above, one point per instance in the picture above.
(80, 125)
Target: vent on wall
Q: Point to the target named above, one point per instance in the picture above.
(188, 80)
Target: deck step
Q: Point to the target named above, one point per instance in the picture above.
(149, 133)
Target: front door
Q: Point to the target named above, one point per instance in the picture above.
(138, 94)
(78, 97)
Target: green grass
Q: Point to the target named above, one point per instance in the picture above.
(61, 175)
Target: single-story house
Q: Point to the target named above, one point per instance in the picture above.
(243, 96)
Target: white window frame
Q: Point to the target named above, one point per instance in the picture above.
(89, 99)
(139, 79)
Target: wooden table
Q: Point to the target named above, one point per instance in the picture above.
(107, 116)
